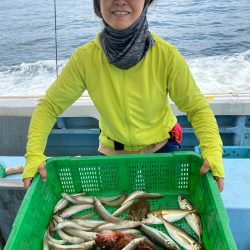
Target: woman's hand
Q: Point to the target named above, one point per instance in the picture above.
(43, 173)
(205, 168)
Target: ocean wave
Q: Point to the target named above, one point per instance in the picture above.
(222, 74)
(28, 79)
(216, 74)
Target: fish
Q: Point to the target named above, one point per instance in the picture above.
(116, 202)
(74, 209)
(181, 237)
(56, 220)
(45, 241)
(123, 208)
(193, 219)
(68, 197)
(152, 219)
(130, 231)
(61, 242)
(61, 204)
(70, 224)
(133, 196)
(83, 246)
(80, 233)
(68, 238)
(101, 210)
(49, 236)
(87, 236)
(72, 197)
(83, 217)
(89, 224)
(111, 198)
(171, 214)
(159, 238)
(107, 200)
(122, 224)
(141, 194)
(111, 232)
(140, 243)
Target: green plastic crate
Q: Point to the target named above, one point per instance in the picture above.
(169, 174)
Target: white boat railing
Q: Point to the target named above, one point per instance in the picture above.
(222, 104)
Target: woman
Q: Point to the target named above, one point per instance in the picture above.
(129, 74)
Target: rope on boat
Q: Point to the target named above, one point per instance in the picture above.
(55, 37)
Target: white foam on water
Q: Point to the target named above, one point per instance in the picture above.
(222, 74)
(216, 74)
(27, 79)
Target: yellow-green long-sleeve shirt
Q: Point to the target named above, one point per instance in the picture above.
(133, 104)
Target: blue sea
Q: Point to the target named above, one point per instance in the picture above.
(213, 36)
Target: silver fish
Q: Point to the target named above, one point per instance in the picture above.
(83, 217)
(74, 209)
(171, 214)
(81, 234)
(137, 241)
(123, 208)
(181, 237)
(193, 219)
(141, 194)
(83, 200)
(45, 241)
(68, 238)
(115, 202)
(55, 240)
(101, 210)
(132, 232)
(71, 197)
(133, 195)
(159, 238)
(123, 224)
(152, 219)
(68, 197)
(57, 219)
(61, 204)
(89, 224)
(108, 200)
(70, 224)
(84, 246)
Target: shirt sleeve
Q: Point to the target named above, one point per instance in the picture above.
(184, 92)
(64, 91)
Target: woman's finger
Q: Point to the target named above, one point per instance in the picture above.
(220, 183)
(26, 183)
(42, 171)
(205, 167)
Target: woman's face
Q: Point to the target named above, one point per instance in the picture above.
(120, 14)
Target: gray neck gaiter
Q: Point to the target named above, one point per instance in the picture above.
(125, 48)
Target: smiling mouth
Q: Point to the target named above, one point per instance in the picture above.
(120, 13)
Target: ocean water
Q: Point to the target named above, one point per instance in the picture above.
(213, 36)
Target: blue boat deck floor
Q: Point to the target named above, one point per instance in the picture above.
(237, 184)
(236, 198)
